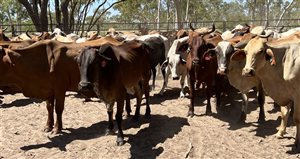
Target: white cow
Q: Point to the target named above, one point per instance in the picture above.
(175, 65)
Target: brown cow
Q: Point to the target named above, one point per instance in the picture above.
(111, 71)
(44, 70)
(202, 67)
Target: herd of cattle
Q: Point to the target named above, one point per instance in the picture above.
(121, 63)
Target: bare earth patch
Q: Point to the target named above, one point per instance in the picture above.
(168, 134)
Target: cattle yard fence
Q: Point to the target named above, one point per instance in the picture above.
(163, 26)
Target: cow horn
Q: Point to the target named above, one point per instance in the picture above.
(4, 29)
(247, 25)
(266, 36)
(191, 27)
(28, 34)
(212, 29)
(280, 29)
(241, 44)
(40, 36)
(106, 58)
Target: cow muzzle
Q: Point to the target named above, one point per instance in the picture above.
(222, 71)
(176, 78)
(196, 62)
(248, 72)
(85, 86)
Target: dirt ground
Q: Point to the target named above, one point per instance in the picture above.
(168, 134)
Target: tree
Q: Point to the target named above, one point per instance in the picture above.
(66, 12)
(12, 13)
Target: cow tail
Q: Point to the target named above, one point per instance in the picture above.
(51, 64)
(51, 58)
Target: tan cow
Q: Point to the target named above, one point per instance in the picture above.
(277, 65)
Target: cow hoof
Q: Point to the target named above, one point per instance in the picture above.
(56, 132)
(208, 112)
(190, 114)
(242, 118)
(135, 118)
(160, 94)
(261, 120)
(47, 129)
(148, 116)
(120, 141)
(109, 132)
(279, 135)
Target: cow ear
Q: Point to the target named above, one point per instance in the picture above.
(209, 54)
(6, 58)
(101, 52)
(103, 49)
(164, 64)
(270, 57)
(238, 55)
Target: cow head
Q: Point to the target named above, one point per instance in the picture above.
(93, 63)
(197, 45)
(176, 64)
(224, 51)
(257, 55)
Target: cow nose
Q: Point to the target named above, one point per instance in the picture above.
(196, 62)
(248, 72)
(175, 78)
(222, 71)
(84, 86)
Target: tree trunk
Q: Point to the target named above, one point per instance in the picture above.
(178, 14)
(187, 12)
(158, 14)
(65, 18)
(283, 12)
(43, 15)
(33, 14)
(57, 14)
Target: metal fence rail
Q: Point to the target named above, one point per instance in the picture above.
(163, 26)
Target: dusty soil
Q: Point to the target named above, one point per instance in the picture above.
(168, 134)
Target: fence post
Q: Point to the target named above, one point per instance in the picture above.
(224, 26)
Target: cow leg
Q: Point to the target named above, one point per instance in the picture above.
(166, 78)
(120, 107)
(208, 96)
(297, 122)
(182, 80)
(244, 108)
(218, 88)
(110, 127)
(128, 107)
(146, 92)
(59, 108)
(153, 78)
(261, 102)
(285, 111)
(50, 109)
(192, 92)
(138, 94)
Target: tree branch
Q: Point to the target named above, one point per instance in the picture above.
(283, 12)
(94, 23)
